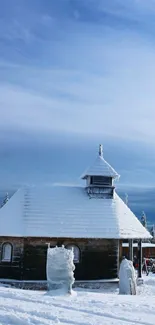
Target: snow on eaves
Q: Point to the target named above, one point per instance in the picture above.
(144, 245)
(100, 168)
(66, 211)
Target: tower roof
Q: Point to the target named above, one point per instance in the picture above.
(100, 167)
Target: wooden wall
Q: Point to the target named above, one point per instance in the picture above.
(147, 252)
(98, 258)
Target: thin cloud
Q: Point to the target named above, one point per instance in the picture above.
(68, 69)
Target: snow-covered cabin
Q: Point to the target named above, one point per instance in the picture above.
(92, 219)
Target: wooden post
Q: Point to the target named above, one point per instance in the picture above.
(119, 256)
(120, 250)
(131, 250)
(140, 258)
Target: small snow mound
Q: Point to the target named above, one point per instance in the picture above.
(127, 278)
(60, 269)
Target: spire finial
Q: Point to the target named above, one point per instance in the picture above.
(100, 150)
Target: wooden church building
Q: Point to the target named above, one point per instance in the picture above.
(91, 218)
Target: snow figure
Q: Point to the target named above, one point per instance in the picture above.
(59, 269)
(127, 278)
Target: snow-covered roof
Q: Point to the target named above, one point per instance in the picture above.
(144, 245)
(100, 167)
(66, 211)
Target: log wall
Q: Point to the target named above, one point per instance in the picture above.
(99, 258)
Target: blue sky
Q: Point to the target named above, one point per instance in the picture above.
(75, 73)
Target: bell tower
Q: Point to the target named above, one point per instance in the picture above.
(100, 178)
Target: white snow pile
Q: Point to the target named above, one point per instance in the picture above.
(59, 269)
(127, 278)
(100, 307)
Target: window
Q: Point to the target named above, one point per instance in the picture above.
(76, 252)
(6, 252)
(101, 180)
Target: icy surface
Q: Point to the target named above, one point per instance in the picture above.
(127, 278)
(60, 269)
(67, 211)
(18, 307)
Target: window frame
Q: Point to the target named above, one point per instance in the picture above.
(79, 252)
(3, 260)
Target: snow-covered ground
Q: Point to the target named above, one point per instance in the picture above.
(83, 307)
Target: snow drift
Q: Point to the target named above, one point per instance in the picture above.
(88, 307)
